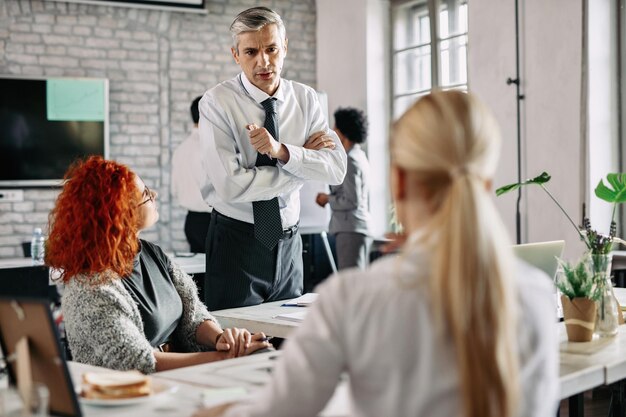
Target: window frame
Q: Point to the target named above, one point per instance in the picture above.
(434, 9)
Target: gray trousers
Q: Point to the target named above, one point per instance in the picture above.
(240, 271)
(352, 250)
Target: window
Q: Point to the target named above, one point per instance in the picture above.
(421, 64)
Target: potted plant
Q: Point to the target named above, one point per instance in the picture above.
(578, 298)
(599, 245)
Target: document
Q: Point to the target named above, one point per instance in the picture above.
(302, 301)
(298, 316)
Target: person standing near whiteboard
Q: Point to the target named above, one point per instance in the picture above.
(189, 179)
(349, 201)
(262, 137)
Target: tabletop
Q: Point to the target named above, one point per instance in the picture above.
(209, 384)
(260, 318)
(192, 264)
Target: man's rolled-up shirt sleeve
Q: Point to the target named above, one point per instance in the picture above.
(233, 181)
(325, 165)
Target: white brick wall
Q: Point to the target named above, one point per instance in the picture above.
(156, 63)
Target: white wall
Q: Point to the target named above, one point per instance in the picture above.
(602, 112)
(551, 39)
(352, 68)
(156, 61)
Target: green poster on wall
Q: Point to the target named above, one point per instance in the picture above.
(75, 99)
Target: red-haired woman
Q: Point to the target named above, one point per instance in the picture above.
(126, 305)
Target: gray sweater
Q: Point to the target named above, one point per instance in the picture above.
(104, 326)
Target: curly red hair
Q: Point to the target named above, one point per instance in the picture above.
(94, 224)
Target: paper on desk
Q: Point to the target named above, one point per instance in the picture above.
(216, 396)
(297, 316)
(620, 294)
(586, 348)
(304, 300)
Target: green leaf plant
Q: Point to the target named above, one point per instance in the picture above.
(614, 192)
(577, 280)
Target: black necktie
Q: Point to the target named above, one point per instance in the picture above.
(268, 228)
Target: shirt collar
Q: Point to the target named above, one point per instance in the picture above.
(257, 94)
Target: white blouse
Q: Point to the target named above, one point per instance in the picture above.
(229, 158)
(382, 335)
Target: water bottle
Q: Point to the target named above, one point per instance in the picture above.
(37, 246)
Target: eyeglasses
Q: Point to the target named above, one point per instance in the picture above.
(148, 194)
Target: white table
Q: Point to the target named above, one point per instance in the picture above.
(212, 383)
(195, 264)
(584, 366)
(577, 372)
(259, 318)
(250, 373)
(186, 399)
(15, 262)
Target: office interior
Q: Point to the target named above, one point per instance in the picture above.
(553, 72)
(568, 60)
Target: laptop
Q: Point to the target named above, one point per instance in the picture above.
(32, 350)
(542, 255)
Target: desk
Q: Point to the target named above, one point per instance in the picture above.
(247, 373)
(259, 318)
(184, 402)
(15, 262)
(250, 372)
(577, 373)
(604, 364)
(195, 264)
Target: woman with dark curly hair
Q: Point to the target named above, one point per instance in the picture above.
(126, 305)
(349, 201)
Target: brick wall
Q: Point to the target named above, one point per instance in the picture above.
(156, 63)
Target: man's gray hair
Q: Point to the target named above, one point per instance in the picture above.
(255, 19)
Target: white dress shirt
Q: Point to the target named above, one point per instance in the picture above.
(188, 176)
(229, 158)
(377, 326)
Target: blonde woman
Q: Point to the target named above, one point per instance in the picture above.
(453, 325)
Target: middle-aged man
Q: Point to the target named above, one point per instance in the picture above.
(262, 137)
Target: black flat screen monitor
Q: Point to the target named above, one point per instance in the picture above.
(46, 124)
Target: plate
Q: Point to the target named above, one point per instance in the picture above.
(159, 391)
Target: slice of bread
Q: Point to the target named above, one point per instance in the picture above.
(115, 385)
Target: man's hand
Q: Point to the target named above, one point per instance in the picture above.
(264, 143)
(319, 140)
(321, 199)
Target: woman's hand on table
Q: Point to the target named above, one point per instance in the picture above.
(240, 342)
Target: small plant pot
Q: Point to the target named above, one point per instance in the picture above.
(580, 317)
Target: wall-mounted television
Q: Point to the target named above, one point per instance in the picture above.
(48, 123)
(194, 6)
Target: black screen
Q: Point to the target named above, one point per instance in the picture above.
(33, 148)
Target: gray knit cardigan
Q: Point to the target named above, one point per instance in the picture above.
(104, 327)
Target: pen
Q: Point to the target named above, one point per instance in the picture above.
(265, 339)
(291, 305)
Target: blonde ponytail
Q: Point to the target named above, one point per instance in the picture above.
(451, 135)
